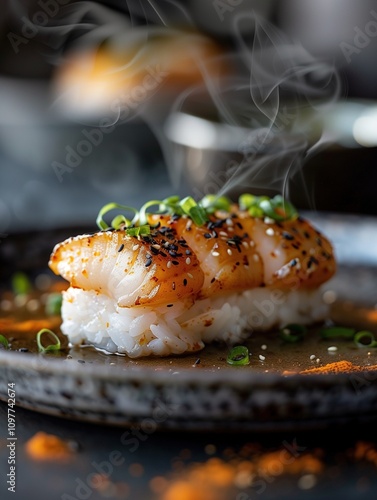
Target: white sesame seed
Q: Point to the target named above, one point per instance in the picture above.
(263, 347)
(229, 251)
(270, 231)
(223, 233)
(169, 264)
(230, 229)
(215, 254)
(190, 275)
(312, 357)
(317, 360)
(262, 358)
(329, 297)
(245, 244)
(229, 222)
(135, 247)
(156, 246)
(268, 220)
(256, 257)
(332, 348)
(188, 261)
(251, 243)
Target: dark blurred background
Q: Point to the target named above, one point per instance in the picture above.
(127, 101)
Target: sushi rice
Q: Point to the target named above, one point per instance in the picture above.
(93, 318)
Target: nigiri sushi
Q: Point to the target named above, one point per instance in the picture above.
(187, 274)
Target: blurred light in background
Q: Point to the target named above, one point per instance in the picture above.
(92, 101)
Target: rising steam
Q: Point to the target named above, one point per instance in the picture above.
(261, 98)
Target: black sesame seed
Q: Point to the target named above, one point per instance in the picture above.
(287, 236)
(185, 282)
(169, 305)
(23, 349)
(293, 262)
(148, 262)
(121, 247)
(213, 280)
(175, 263)
(207, 235)
(154, 250)
(188, 252)
(239, 225)
(197, 362)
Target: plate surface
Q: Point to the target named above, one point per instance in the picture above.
(182, 392)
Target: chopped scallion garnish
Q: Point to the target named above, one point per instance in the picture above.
(258, 206)
(20, 283)
(293, 332)
(196, 212)
(276, 208)
(239, 355)
(337, 331)
(365, 338)
(53, 304)
(50, 347)
(211, 203)
(143, 230)
(111, 206)
(4, 341)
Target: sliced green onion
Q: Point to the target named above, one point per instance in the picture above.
(20, 283)
(255, 211)
(211, 203)
(4, 341)
(238, 356)
(51, 347)
(170, 202)
(111, 206)
(337, 331)
(143, 230)
(365, 339)
(278, 208)
(247, 200)
(120, 221)
(143, 214)
(293, 332)
(194, 211)
(53, 304)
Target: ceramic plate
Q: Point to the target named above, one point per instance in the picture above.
(201, 391)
